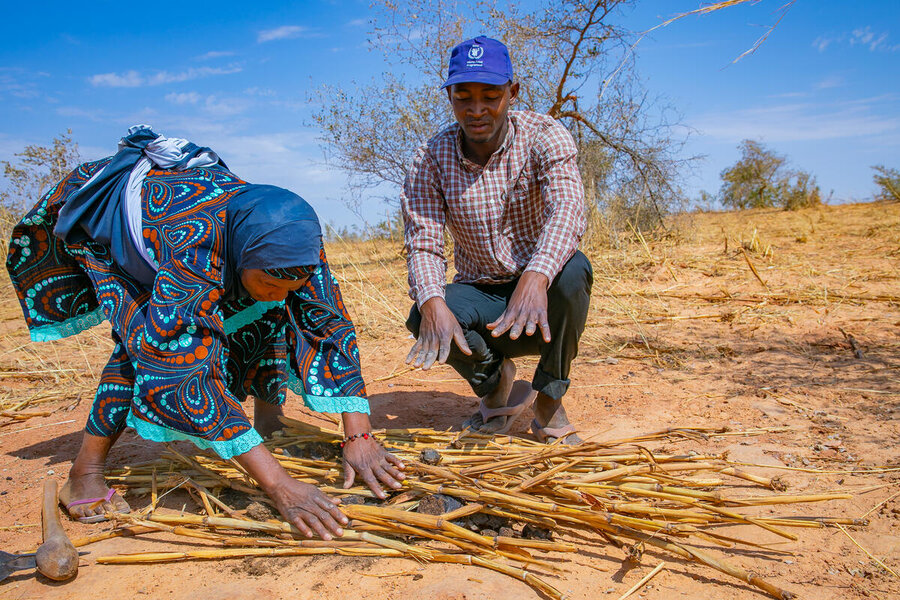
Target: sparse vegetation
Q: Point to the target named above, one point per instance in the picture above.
(762, 179)
(888, 182)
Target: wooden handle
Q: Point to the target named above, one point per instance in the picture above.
(56, 558)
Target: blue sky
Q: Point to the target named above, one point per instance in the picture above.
(823, 89)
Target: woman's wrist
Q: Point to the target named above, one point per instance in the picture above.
(356, 423)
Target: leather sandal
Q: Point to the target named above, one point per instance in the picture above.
(544, 433)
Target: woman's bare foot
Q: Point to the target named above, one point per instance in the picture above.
(86, 482)
(265, 418)
(500, 397)
(549, 413)
(90, 486)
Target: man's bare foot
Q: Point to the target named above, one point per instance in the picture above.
(85, 487)
(505, 394)
(265, 418)
(549, 413)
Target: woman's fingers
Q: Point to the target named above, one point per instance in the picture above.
(327, 504)
(389, 476)
(372, 482)
(395, 460)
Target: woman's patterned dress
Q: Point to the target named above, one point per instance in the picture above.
(185, 356)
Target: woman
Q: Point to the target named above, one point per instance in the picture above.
(216, 289)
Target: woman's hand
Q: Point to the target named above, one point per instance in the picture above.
(301, 504)
(373, 464)
(308, 509)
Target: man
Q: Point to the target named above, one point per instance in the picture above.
(506, 185)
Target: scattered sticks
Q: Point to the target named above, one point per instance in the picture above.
(595, 491)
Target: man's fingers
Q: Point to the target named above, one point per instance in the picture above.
(460, 338)
(413, 351)
(501, 325)
(518, 325)
(545, 328)
(530, 327)
(430, 356)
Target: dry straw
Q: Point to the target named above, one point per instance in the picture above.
(596, 493)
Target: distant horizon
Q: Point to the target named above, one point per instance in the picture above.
(822, 89)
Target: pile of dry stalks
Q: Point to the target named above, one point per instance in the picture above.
(592, 494)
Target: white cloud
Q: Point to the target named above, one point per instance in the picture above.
(183, 98)
(127, 79)
(821, 43)
(214, 54)
(861, 36)
(832, 81)
(866, 37)
(280, 33)
(356, 23)
(800, 122)
(225, 107)
(135, 79)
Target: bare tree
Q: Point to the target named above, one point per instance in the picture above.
(37, 169)
(575, 63)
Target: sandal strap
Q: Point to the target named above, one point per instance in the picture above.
(108, 497)
(542, 433)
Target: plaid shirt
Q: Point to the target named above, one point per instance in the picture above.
(522, 211)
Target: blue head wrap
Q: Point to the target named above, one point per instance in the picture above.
(269, 228)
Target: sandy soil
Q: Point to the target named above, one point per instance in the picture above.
(681, 333)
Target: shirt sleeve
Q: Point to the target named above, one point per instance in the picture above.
(422, 203)
(181, 379)
(322, 342)
(563, 196)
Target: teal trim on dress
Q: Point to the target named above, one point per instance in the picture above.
(228, 449)
(248, 315)
(69, 327)
(329, 404)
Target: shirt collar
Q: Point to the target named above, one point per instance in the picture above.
(507, 143)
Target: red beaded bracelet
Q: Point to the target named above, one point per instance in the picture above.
(356, 436)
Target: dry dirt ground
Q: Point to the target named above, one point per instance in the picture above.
(740, 319)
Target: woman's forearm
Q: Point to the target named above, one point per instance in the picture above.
(263, 467)
(356, 422)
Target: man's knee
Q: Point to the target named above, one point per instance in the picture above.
(572, 285)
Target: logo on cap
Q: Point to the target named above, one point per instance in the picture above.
(476, 52)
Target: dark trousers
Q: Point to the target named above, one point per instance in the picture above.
(476, 305)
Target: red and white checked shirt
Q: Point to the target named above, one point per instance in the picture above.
(522, 211)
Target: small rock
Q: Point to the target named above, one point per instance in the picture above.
(507, 532)
(489, 533)
(788, 561)
(51, 472)
(431, 457)
(353, 499)
(611, 361)
(533, 532)
(483, 521)
(438, 504)
(260, 512)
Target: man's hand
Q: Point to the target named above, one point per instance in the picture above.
(527, 309)
(438, 329)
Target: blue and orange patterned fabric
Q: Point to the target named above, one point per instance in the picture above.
(186, 352)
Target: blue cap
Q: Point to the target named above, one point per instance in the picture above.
(480, 60)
